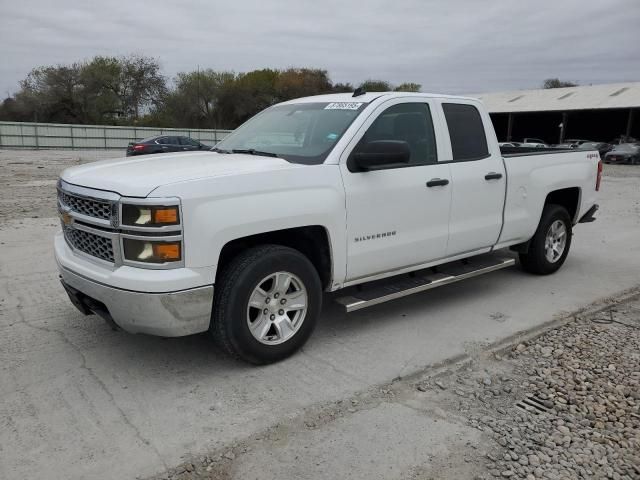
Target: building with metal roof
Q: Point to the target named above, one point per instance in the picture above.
(594, 112)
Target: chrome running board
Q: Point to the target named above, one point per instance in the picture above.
(381, 291)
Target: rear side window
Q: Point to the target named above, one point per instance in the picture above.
(466, 131)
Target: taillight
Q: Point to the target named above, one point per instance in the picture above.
(599, 177)
(139, 148)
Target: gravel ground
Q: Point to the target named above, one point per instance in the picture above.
(564, 404)
(582, 382)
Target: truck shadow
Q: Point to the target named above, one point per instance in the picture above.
(198, 354)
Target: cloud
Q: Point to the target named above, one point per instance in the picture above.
(450, 47)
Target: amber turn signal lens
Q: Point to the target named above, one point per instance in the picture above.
(167, 251)
(165, 215)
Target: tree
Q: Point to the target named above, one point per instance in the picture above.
(102, 90)
(250, 93)
(52, 94)
(141, 83)
(557, 83)
(131, 89)
(375, 86)
(302, 82)
(101, 80)
(194, 100)
(342, 88)
(408, 87)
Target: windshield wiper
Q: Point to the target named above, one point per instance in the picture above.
(220, 150)
(253, 151)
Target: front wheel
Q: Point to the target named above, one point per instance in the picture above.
(549, 247)
(267, 303)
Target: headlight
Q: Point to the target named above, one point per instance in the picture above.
(150, 216)
(152, 251)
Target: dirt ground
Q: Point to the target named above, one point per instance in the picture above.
(428, 387)
(28, 179)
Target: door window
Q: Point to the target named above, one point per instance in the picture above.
(163, 141)
(189, 142)
(466, 131)
(407, 122)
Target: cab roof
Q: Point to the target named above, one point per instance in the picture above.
(369, 97)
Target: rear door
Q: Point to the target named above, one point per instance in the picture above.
(174, 144)
(188, 144)
(166, 145)
(478, 179)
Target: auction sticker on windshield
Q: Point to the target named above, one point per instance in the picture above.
(343, 106)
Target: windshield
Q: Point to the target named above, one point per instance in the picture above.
(301, 133)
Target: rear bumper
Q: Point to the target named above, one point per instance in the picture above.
(169, 314)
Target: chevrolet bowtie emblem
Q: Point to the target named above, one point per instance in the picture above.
(66, 218)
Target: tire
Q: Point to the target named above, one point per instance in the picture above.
(275, 338)
(536, 259)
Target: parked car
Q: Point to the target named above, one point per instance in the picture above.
(601, 147)
(577, 141)
(164, 144)
(624, 153)
(361, 193)
(565, 145)
(623, 139)
(534, 140)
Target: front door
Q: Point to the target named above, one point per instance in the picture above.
(397, 217)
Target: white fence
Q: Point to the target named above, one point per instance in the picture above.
(94, 137)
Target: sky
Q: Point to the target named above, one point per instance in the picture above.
(454, 46)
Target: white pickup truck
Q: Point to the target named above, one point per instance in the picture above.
(380, 194)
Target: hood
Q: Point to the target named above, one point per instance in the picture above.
(139, 176)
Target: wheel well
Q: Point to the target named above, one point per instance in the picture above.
(566, 197)
(312, 241)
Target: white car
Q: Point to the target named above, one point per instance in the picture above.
(393, 192)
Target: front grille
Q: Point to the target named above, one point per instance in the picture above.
(89, 243)
(86, 206)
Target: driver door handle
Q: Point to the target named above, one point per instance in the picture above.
(493, 176)
(437, 182)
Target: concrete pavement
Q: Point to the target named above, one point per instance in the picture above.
(81, 401)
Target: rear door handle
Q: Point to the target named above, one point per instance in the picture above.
(437, 182)
(493, 176)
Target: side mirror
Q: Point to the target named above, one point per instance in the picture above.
(379, 154)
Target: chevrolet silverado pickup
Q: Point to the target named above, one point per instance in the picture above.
(379, 194)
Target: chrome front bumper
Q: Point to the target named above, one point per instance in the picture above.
(169, 314)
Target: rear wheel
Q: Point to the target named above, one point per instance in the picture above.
(549, 247)
(267, 303)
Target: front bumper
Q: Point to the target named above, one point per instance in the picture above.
(169, 314)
